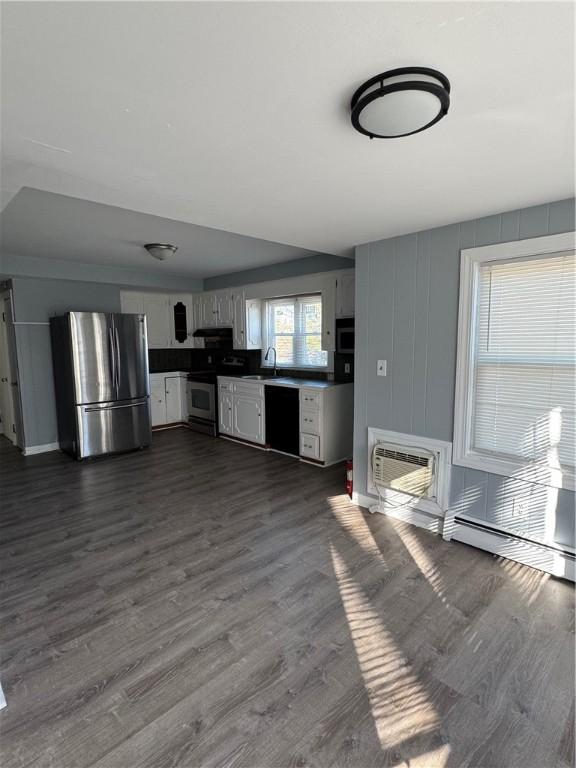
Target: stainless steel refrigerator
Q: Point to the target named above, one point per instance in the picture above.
(101, 381)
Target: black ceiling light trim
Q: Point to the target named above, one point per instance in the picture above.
(433, 82)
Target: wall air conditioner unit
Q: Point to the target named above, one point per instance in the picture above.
(403, 469)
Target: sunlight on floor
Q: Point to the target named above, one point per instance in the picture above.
(427, 568)
(352, 521)
(401, 709)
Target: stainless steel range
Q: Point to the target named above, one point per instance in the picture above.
(201, 394)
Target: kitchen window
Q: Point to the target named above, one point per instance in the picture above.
(293, 325)
(515, 383)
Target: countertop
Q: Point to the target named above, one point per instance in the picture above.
(288, 381)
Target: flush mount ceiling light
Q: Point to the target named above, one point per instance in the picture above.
(160, 250)
(400, 102)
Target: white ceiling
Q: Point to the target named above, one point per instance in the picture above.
(235, 115)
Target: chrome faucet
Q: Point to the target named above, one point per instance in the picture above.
(273, 349)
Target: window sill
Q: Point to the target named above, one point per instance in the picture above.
(537, 474)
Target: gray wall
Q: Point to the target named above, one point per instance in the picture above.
(306, 266)
(407, 313)
(35, 301)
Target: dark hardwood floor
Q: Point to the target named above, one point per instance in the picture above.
(208, 604)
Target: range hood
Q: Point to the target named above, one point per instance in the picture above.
(213, 333)
(215, 338)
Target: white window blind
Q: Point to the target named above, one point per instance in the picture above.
(293, 325)
(523, 377)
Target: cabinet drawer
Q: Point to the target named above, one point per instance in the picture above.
(309, 399)
(309, 445)
(250, 388)
(310, 422)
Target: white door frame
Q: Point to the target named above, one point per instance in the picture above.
(11, 388)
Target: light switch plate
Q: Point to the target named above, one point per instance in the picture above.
(346, 367)
(381, 368)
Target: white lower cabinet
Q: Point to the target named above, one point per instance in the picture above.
(241, 410)
(226, 413)
(326, 417)
(167, 398)
(174, 399)
(249, 418)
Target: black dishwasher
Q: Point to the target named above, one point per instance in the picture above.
(283, 419)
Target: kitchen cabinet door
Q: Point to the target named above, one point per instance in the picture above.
(225, 414)
(249, 418)
(345, 295)
(224, 308)
(157, 401)
(208, 311)
(253, 315)
(197, 317)
(329, 315)
(239, 320)
(156, 309)
(173, 395)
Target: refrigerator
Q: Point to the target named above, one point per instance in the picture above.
(101, 382)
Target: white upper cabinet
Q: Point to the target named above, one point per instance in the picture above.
(223, 304)
(181, 320)
(156, 308)
(208, 310)
(328, 316)
(345, 294)
(253, 315)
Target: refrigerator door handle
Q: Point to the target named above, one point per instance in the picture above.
(114, 407)
(112, 357)
(118, 361)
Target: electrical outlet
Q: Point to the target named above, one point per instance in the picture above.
(346, 367)
(382, 368)
(520, 508)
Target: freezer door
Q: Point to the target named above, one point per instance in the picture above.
(131, 356)
(93, 359)
(112, 427)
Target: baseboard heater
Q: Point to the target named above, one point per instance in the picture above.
(550, 558)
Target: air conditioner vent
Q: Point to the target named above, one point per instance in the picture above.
(409, 472)
(410, 458)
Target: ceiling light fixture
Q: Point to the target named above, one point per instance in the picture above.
(400, 102)
(160, 250)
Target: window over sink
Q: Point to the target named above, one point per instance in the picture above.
(293, 326)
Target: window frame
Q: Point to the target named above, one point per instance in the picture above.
(266, 333)
(463, 454)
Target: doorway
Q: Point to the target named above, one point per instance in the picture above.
(9, 421)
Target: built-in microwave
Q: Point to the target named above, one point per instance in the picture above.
(345, 336)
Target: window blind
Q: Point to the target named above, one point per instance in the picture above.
(293, 325)
(524, 360)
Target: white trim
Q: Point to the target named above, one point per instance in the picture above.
(441, 448)
(543, 558)
(33, 449)
(511, 533)
(2, 698)
(412, 515)
(463, 454)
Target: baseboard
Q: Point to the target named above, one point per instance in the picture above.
(33, 449)
(551, 560)
(410, 515)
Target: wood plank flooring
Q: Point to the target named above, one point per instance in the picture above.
(207, 604)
